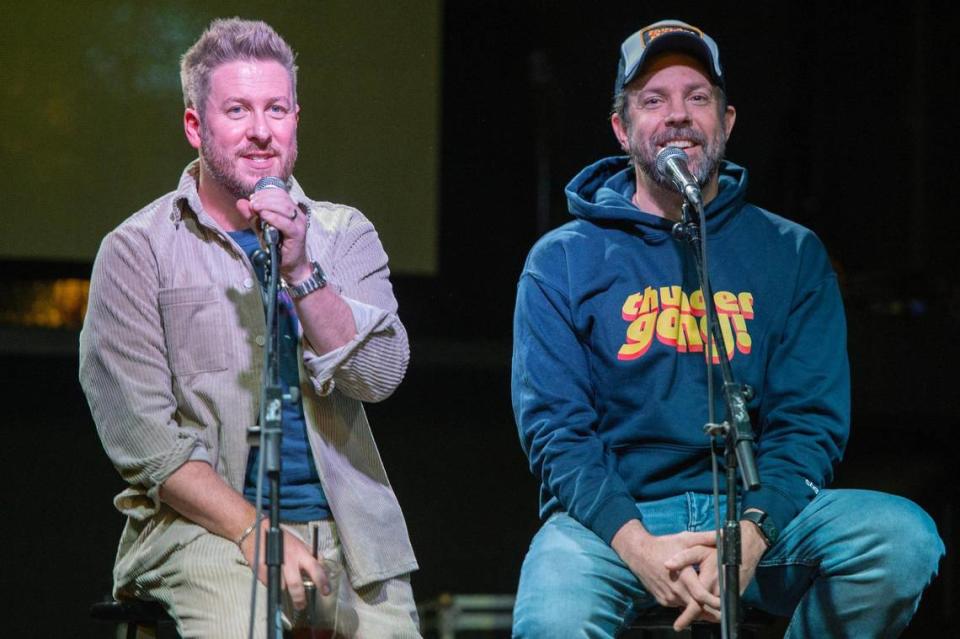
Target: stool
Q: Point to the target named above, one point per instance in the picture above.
(653, 621)
(136, 614)
(150, 615)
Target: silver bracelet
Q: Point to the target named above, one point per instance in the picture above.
(249, 529)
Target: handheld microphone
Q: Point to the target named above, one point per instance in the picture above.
(672, 164)
(270, 234)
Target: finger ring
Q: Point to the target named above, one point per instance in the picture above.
(294, 215)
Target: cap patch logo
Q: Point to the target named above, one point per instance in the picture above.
(653, 33)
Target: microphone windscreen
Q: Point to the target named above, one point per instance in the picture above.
(269, 182)
(665, 155)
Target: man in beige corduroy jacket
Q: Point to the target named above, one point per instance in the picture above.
(171, 356)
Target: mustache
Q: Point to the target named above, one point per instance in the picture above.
(679, 134)
(257, 149)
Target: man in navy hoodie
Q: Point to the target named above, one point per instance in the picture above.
(609, 388)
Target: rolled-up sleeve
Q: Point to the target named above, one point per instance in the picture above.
(125, 373)
(371, 365)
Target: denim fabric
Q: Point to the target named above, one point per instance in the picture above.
(853, 563)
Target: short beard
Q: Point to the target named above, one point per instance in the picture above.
(221, 167)
(644, 155)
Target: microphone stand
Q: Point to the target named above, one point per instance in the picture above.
(270, 437)
(736, 430)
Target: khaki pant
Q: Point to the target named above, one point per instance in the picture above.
(206, 588)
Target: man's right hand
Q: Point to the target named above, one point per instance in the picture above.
(298, 564)
(198, 493)
(646, 556)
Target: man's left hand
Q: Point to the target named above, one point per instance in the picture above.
(752, 545)
(277, 208)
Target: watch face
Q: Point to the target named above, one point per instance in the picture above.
(770, 531)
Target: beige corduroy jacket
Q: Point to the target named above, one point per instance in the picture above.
(171, 354)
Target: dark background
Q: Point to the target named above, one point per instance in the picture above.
(847, 123)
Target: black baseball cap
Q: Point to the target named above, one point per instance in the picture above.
(663, 36)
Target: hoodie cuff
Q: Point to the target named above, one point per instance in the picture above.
(780, 508)
(612, 515)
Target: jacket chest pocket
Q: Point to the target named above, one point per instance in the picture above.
(193, 329)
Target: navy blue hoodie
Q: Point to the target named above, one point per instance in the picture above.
(609, 379)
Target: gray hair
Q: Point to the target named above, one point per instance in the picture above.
(229, 40)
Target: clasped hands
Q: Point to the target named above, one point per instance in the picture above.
(680, 570)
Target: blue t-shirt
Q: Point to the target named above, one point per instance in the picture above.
(301, 494)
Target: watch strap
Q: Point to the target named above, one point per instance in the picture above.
(764, 524)
(314, 282)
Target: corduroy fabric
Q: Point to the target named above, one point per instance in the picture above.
(171, 358)
(206, 588)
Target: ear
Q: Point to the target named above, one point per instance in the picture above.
(620, 130)
(191, 126)
(296, 111)
(729, 117)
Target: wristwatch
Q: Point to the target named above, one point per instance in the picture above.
(768, 530)
(315, 282)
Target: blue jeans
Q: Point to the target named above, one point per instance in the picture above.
(853, 563)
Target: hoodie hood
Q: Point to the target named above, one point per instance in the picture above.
(603, 192)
